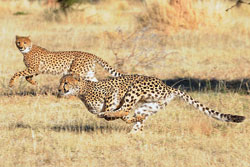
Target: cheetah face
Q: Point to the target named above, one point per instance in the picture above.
(68, 86)
(23, 44)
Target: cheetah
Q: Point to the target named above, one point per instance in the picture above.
(39, 60)
(115, 98)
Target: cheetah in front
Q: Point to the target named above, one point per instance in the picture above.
(115, 98)
(41, 61)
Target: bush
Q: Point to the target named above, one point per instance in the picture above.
(170, 15)
(66, 5)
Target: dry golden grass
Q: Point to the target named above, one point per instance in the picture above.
(203, 41)
(46, 131)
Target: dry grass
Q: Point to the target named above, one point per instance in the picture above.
(46, 131)
(200, 41)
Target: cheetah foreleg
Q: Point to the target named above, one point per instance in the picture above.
(133, 119)
(25, 73)
(130, 100)
(111, 103)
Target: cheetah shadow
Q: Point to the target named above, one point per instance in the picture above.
(87, 128)
(203, 85)
(75, 128)
(30, 91)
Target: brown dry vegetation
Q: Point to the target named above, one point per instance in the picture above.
(195, 39)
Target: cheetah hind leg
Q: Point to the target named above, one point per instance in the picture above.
(143, 111)
(141, 115)
(139, 122)
(90, 75)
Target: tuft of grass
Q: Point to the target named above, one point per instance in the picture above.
(52, 15)
(20, 13)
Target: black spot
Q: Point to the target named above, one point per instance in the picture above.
(237, 118)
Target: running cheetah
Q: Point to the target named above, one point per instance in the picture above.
(115, 98)
(41, 61)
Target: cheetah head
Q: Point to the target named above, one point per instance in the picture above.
(23, 44)
(69, 85)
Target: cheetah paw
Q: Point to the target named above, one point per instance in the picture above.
(11, 85)
(101, 115)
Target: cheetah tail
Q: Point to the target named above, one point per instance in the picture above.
(209, 112)
(108, 68)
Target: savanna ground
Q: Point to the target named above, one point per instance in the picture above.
(190, 39)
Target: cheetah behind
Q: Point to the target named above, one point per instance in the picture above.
(115, 98)
(41, 61)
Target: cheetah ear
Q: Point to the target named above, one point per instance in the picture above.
(28, 36)
(17, 36)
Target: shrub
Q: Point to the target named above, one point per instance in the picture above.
(66, 5)
(170, 15)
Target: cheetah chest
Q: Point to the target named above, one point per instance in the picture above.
(93, 106)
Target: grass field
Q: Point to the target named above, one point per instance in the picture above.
(190, 39)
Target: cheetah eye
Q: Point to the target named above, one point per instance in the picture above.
(18, 43)
(24, 42)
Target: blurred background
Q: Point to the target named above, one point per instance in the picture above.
(182, 39)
